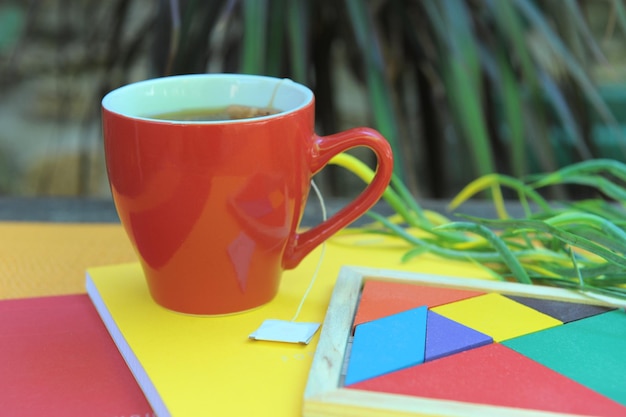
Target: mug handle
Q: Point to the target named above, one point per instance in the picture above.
(323, 150)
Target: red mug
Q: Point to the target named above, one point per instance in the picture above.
(212, 208)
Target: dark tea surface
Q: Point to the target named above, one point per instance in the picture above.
(233, 112)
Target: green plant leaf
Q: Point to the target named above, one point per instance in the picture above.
(554, 94)
(254, 37)
(574, 68)
(562, 235)
(619, 8)
(513, 114)
(276, 37)
(508, 258)
(298, 10)
(463, 83)
(510, 27)
(573, 10)
(378, 86)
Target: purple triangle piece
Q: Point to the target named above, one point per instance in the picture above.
(445, 337)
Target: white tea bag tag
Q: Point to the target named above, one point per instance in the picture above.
(273, 330)
(285, 331)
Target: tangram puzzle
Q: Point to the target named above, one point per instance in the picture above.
(426, 345)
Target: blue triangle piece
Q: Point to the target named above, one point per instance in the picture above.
(387, 344)
(445, 337)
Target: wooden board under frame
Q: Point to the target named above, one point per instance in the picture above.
(324, 394)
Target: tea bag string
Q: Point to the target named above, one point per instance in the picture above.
(323, 251)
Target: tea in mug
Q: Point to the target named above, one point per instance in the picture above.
(232, 112)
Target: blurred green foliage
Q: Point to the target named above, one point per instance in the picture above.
(460, 88)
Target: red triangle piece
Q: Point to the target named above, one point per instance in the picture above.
(495, 375)
(381, 298)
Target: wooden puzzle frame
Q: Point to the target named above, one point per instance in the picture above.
(324, 394)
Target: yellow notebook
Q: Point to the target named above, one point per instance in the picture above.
(193, 366)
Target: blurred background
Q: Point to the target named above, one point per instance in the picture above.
(460, 88)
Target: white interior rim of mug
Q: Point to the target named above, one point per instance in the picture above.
(145, 99)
